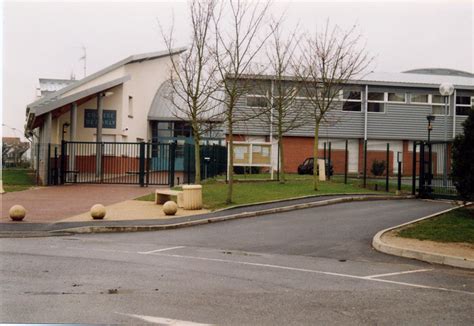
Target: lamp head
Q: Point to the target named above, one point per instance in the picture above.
(446, 89)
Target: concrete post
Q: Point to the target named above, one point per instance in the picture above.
(45, 140)
(70, 147)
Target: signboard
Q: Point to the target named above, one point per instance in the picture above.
(109, 119)
(252, 154)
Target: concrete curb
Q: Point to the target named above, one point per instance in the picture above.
(137, 228)
(426, 256)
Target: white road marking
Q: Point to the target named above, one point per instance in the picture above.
(316, 272)
(100, 249)
(159, 250)
(164, 321)
(399, 273)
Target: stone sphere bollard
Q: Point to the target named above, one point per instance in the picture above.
(170, 208)
(17, 212)
(98, 212)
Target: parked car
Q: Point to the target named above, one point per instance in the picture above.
(308, 165)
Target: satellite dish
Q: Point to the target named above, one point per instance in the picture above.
(446, 89)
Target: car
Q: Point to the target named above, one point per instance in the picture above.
(308, 165)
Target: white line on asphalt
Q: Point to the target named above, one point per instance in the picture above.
(159, 250)
(316, 272)
(164, 321)
(105, 250)
(400, 273)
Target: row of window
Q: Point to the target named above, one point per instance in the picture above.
(376, 101)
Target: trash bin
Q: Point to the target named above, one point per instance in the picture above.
(192, 195)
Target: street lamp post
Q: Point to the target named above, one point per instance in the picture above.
(446, 90)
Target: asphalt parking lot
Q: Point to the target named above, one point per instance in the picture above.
(311, 266)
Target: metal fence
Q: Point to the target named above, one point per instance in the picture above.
(141, 163)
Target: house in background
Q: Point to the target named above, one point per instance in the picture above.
(13, 152)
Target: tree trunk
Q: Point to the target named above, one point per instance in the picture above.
(197, 160)
(230, 164)
(282, 164)
(315, 156)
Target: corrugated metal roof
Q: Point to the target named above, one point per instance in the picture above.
(53, 85)
(414, 79)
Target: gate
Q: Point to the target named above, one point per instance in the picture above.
(125, 163)
(433, 161)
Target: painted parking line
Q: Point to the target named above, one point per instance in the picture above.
(164, 321)
(159, 250)
(400, 273)
(288, 268)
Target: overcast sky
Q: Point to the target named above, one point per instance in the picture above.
(44, 39)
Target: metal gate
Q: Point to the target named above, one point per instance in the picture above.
(433, 161)
(140, 163)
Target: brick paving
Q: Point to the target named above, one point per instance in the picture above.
(51, 204)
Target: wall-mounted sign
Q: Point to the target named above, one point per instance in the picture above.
(109, 119)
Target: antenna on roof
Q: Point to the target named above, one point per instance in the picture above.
(73, 75)
(84, 58)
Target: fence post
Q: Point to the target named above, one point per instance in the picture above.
(328, 170)
(413, 177)
(399, 183)
(388, 169)
(48, 165)
(63, 161)
(365, 163)
(172, 156)
(346, 161)
(141, 171)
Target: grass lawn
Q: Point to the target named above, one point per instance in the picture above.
(454, 226)
(17, 179)
(214, 193)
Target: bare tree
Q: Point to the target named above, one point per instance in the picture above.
(329, 60)
(286, 113)
(237, 44)
(192, 81)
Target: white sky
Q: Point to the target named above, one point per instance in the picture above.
(44, 39)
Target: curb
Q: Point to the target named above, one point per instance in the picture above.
(132, 228)
(426, 256)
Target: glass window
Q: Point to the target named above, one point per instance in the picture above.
(463, 100)
(419, 98)
(164, 129)
(438, 110)
(307, 92)
(396, 97)
(256, 101)
(437, 99)
(376, 96)
(182, 129)
(352, 106)
(352, 95)
(375, 107)
(463, 105)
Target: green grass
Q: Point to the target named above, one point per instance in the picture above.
(214, 192)
(17, 179)
(454, 226)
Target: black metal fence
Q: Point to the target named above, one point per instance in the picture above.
(141, 163)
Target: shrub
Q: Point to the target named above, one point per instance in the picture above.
(378, 167)
(463, 158)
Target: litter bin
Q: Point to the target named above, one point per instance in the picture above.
(192, 195)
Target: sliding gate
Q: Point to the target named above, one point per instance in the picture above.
(144, 164)
(118, 163)
(433, 162)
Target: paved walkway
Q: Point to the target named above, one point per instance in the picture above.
(52, 204)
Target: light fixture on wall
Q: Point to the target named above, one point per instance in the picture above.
(107, 94)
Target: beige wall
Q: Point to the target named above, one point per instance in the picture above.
(146, 78)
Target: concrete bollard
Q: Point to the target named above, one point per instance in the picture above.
(17, 213)
(170, 208)
(98, 212)
(192, 195)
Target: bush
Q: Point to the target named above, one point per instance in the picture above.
(378, 167)
(463, 156)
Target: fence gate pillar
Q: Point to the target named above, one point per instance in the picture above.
(141, 169)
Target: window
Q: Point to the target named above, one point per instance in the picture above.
(438, 106)
(420, 98)
(376, 102)
(256, 101)
(397, 97)
(130, 106)
(352, 101)
(464, 104)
